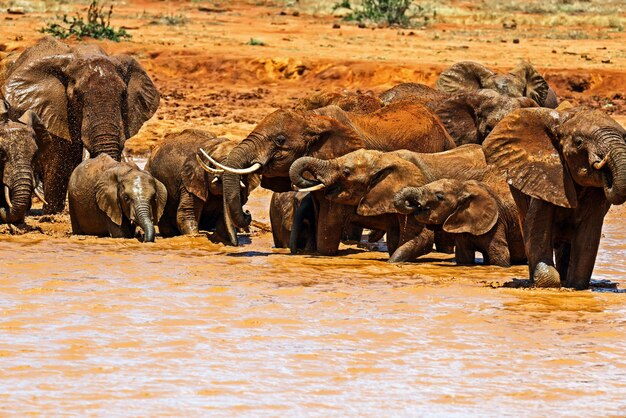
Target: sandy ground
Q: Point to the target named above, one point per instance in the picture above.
(210, 77)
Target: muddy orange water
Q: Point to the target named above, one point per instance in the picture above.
(116, 327)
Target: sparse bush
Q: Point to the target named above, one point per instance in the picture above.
(392, 12)
(170, 20)
(256, 42)
(97, 25)
(344, 4)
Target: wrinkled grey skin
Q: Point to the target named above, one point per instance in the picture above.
(481, 216)
(194, 196)
(111, 198)
(293, 216)
(468, 115)
(522, 81)
(83, 97)
(566, 167)
(18, 150)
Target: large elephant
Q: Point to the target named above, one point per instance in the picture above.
(194, 195)
(354, 102)
(110, 198)
(18, 150)
(523, 80)
(366, 183)
(565, 167)
(469, 116)
(84, 97)
(284, 136)
(480, 215)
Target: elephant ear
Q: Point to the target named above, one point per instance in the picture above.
(31, 119)
(142, 95)
(536, 86)
(458, 115)
(476, 213)
(106, 196)
(390, 176)
(329, 133)
(159, 201)
(464, 75)
(524, 145)
(39, 85)
(194, 178)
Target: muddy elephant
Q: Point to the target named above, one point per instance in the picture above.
(18, 150)
(469, 116)
(565, 168)
(194, 195)
(284, 136)
(522, 81)
(292, 216)
(354, 102)
(366, 182)
(84, 97)
(480, 216)
(111, 198)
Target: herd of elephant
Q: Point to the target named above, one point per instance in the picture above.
(484, 162)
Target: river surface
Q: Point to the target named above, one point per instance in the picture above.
(184, 327)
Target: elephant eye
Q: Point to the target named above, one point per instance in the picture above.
(280, 139)
(578, 141)
(439, 196)
(346, 172)
(126, 198)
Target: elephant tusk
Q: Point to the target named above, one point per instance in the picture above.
(254, 167)
(7, 196)
(40, 196)
(215, 180)
(601, 164)
(313, 188)
(243, 186)
(208, 168)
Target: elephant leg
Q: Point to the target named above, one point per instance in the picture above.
(537, 231)
(74, 220)
(584, 248)
(415, 247)
(562, 253)
(464, 253)
(352, 234)
(60, 158)
(120, 231)
(300, 236)
(330, 223)
(444, 242)
(498, 253)
(188, 213)
(166, 229)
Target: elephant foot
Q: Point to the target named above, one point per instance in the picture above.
(546, 276)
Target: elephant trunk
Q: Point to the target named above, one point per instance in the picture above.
(104, 137)
(144, 220)
(20, 192)
(234, 216)
(615, 177)
(320, 169)
(406, 200)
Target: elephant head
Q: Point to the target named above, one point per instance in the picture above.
(459, 206)
(524, 80)
(470, 116)
(82, 93)
(18, 149)
(355, 102)
(276, 142)
(124, 191)
(364, 178)
(549, 154)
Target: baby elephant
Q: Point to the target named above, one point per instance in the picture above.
(480, 217)
(111, 198)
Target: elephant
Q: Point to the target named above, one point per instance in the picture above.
(481, 216)
(284, 136)
(523, 80)
(354, 102)
(110, 198)
(18, 150)
(469, 116)
(84, 97)
(194, 195)
(565, 168)
(292, 216)
(366, 182)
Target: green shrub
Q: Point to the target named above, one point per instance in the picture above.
(256, 42)
(392, 12)
(97, 25)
